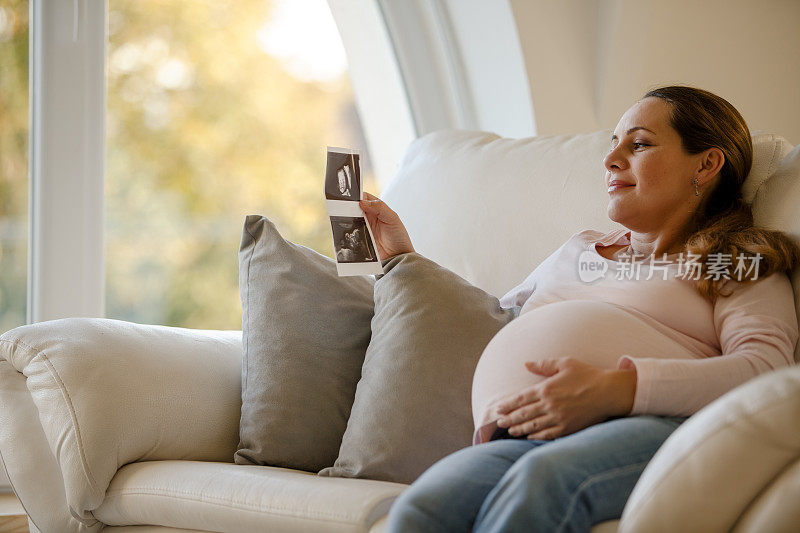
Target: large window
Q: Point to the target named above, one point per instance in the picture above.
(13, 162)
(216, 110)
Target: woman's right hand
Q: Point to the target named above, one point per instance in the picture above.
(390, 234)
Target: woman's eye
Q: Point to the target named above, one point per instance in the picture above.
(639, 144)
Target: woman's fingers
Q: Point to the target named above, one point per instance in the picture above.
(370, 200)
(531, 421)
(524, 397)
(390, 234)
(547, 431)
(368, 204)
(518, 416)
(531, 425)
(379, 209)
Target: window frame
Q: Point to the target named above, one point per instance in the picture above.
(67, 159)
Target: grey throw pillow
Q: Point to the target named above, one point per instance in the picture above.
(412, 404)
(305, 331)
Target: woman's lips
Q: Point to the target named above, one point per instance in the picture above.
(615, 185)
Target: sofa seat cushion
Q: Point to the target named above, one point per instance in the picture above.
(228, 497)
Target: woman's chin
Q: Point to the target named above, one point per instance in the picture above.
(613, 210)
(617, 213)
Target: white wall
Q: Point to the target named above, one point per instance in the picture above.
(588, 60)
(558, 41)
(748, 52)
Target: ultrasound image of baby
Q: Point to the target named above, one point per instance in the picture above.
(350, 240)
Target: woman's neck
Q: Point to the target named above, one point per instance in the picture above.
(657, 245)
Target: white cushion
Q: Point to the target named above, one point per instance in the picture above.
(492, 208)
(110, 392)
(768, 152)
(775, 508)
(205, 496)
(716, 463)
(30, 464)
(228, 497)
(777, 204)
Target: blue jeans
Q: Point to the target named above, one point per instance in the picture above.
(565, 484)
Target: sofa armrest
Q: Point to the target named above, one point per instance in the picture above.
(26, 458)
(110, 392)
(708, 472)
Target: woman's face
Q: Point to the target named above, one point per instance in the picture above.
(647, 156)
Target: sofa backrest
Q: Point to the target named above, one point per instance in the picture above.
(492, 208)
(777, 205)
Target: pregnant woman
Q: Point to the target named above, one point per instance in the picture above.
(621, 335)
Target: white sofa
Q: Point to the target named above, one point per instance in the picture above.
(132, 428)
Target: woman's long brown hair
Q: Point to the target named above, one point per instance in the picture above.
(723, 222)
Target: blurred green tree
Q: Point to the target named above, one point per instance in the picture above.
(203, 128)
(13, 162)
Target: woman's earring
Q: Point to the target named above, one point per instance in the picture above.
(696, 192)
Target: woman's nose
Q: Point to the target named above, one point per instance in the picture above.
(614, 159)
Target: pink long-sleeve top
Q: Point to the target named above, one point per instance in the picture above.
(645, 314)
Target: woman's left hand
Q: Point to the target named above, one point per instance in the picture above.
(574, 396)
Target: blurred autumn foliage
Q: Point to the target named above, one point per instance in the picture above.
(13, 162)
(203, 128)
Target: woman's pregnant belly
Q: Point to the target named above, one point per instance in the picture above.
(597, 333)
